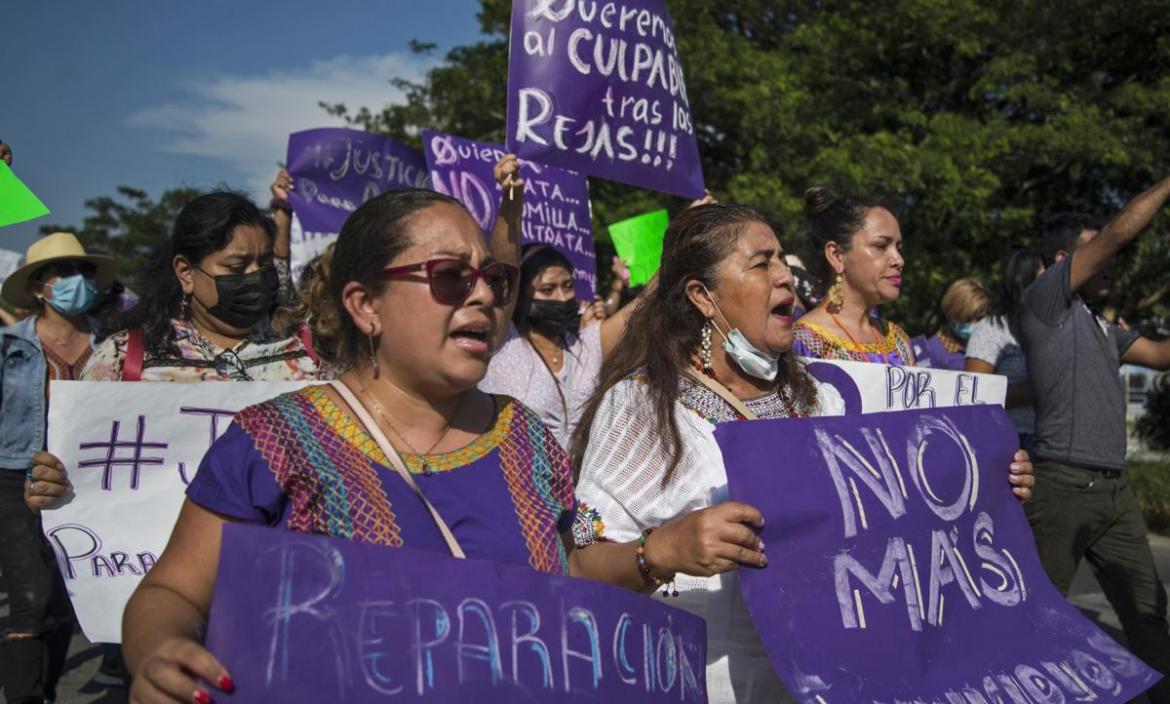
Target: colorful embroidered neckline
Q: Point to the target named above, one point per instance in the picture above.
(351, 432)
(889, 344)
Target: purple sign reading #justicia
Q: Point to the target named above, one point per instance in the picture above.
(305, 618)
(598, 87)
(902, 568)
(556, 201)
(335, 170)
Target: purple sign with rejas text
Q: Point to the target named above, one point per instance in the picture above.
(598, 87)
(299, 617)
(556, 201)
(902, 568)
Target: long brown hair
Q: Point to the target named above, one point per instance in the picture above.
(663, 333)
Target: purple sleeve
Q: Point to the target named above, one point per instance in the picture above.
(234, 480)
(800, 348)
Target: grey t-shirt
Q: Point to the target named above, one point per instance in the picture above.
(1073, 357)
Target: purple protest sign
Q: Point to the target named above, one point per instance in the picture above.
(556, 201)
(335, 170)
(297, 617)
(903, 569)
(598, 87)
(930, 352)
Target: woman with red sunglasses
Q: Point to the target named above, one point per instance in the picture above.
(412, 305)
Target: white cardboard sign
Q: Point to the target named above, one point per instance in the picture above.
(130, 450)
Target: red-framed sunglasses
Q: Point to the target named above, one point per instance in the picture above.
(452, 280)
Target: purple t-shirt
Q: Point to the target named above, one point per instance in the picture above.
(302, 463)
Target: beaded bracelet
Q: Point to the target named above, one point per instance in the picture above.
(644, 569)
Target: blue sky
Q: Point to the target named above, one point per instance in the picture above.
(161, 93)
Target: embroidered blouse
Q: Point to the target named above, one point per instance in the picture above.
(302, 462)
(258, 358)
(817, 341)
(621, 479)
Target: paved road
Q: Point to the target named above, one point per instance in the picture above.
(84, 657)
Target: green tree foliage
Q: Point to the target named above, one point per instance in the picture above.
(972, 118)
(129, 226)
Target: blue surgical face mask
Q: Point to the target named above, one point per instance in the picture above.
(752, 361)
(963, 330)
(73, 295)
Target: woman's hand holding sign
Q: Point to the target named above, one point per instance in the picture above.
(708, 542)
(1022, 476)
(47, 482)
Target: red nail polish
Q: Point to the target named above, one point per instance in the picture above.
(227, 684)
(201, 697)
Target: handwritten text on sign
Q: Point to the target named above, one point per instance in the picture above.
(556, 201)
(875, 388)
(130, 451)
(910, 572)
(334, 171)
(598, 87)
(307, 618)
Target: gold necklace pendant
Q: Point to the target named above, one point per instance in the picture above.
(426, 466)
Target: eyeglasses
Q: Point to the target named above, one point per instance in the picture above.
(452, 280)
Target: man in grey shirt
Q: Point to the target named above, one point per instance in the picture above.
(1082, 506)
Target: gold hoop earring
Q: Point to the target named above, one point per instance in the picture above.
(835, 299)
(373, 354)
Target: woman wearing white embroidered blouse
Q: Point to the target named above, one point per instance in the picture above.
(711, 344)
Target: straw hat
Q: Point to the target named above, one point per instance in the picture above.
(57, 247)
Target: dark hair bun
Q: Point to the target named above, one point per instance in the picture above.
(818, 199)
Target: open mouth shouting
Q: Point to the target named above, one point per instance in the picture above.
(474, 337)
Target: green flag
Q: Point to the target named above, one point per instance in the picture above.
(638, 241)
(17, 203)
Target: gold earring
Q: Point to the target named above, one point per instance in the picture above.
(705, 347)
(373, 353)
(836, 296)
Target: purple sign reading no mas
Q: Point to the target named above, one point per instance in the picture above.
(335, 170)
(902, 568)
(556, 201)
(598, 87)
(306, 618)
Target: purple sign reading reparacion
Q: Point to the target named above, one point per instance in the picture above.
(903, 568)
(335, 170)
(298, 617)
(598, 87)
(556, 201)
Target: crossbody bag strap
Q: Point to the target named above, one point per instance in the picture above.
(723, 393)
(135, 355)
(375, 432)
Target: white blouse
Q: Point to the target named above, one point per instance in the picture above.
(621, 479)
(516, 370)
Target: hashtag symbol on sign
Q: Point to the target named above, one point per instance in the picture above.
(115, 459)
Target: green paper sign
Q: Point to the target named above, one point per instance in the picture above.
(638, 241)
(17, 203)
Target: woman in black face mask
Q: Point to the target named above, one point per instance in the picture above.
(549, 361)
(205, 304)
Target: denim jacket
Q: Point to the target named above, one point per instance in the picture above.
(23, 411)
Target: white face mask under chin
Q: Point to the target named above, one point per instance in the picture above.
(745, 355)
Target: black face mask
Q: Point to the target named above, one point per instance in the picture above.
(244, 299)
(554, 318)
